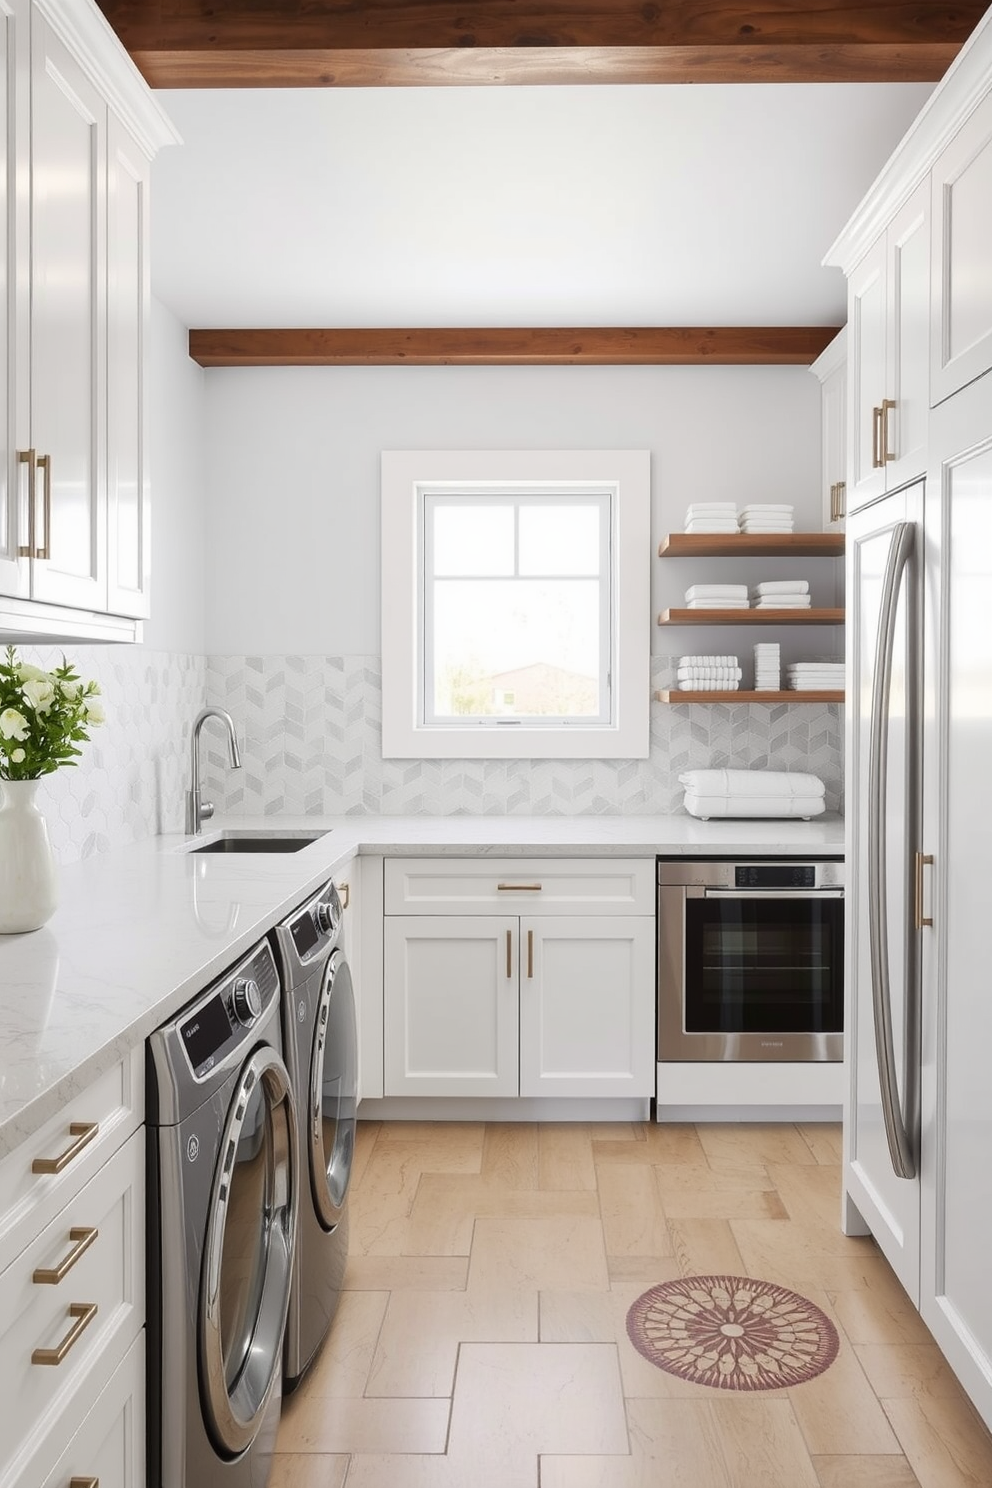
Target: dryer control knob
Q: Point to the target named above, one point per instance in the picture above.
(247, 1000)
(326, 918)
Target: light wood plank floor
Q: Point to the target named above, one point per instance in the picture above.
(481, 1339)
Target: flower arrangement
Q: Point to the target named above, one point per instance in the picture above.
(43, 717)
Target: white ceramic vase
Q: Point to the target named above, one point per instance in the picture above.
(28, 889)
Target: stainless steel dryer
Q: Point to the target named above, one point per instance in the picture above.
(322, 1055)
(223, 1193)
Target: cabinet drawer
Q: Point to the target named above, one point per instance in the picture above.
(109, 1444)
(531, 886)
(46, 1315)
(114, 1105)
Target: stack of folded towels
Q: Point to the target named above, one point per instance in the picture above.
(766, 517)
(815, 676)
(716, 597)
(752, 793)
(711, 516)
(709, 674)
(767, 667)
(781, 594)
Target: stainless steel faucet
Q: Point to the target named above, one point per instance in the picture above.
(198, 810)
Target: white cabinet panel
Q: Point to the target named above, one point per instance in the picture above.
(962, 234)
(451, 997)
(531, 886)
(830, 368)
(14, 299)
(866, 299)
(586, 1014)
(109, 1446)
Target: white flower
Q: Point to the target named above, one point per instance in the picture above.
(28, 673)
(39, 695)
(94, 711)
(13, 725)
(17, 756)
(69, 690)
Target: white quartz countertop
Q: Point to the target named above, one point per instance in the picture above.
(139, 931)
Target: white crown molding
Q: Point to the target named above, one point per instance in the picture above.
(964, 85)
(833, 356)
(95, 45)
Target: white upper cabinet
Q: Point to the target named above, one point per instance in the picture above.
(81, 131)
(961, 342)
(888, 326)
(830, 368)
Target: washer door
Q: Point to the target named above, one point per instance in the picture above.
(333, 1092)
(248, 1255)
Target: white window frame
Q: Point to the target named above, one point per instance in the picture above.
(407, 476)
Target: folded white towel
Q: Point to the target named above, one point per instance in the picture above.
(717, 604)
(781, 586)
(716, 591)
(752, 784)
(766, 524)
(704, 807)
(816, 669)
(711, 674)
(801, 602)
(719, 661)
(694, 686)
(711, 524)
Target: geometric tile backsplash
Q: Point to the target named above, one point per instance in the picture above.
(310, 729)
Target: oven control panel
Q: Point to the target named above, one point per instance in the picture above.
(774, 876)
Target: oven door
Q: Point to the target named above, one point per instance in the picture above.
(750, 974)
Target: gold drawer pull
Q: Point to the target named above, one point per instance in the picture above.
(530, 953)
(509, 953)
(344, 891)
(921, 861)
(84, 1313)
(51, 1276)
(519, 888)
(84, 1483)
(84, 1132)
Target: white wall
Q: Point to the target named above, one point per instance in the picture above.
(293, 475)
(176, 437)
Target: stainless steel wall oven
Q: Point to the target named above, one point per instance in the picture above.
(750, 959)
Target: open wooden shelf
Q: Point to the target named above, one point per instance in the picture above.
(752, 545)
(674, 695)
(751, 617)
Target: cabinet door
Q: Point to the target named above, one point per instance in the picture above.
(109, 1447)
(961, 343)
(889, 1204)
(587, 1006)
(14, 293)
(128, 489)
(68, 255)
(451, 994)
(833, 423)
(907, 379)
(866, 375)
(956, 1300)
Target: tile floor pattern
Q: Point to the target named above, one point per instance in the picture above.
(482, 1340)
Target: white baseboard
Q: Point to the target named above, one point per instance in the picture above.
(510, 1108)
(749, 1113)
(683, 1086)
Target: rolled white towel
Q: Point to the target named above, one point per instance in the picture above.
(720, 661)
(709, 686)
(709, 674)
(716, 591)
(771, 587)
(752, 784)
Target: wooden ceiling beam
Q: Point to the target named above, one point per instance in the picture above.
(733, 346)
(374, 43)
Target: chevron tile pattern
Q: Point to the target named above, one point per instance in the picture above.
(131, 777)
(312, 729)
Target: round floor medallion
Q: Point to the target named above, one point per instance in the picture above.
(732, 1333)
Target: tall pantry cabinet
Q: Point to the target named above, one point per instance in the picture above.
(80, 131)
(918, 1115)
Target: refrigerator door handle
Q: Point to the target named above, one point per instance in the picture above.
(901, 1147)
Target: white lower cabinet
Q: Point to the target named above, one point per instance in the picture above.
(537, 1004)
(108, 1450)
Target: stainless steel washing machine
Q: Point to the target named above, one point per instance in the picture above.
(222, 1207)
(320, 1040)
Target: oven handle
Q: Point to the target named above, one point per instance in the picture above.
(901, 550)
(773, 894)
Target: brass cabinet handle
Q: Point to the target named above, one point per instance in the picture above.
(833, 502)
(344, 890)
(887, 405)
(45, 464)
(84, 1313)
(519, 888)
(84, 1132)
(51, 1276)
(530, 953)
(84, 1483)
(876, 423)
(509, 953)
(29, 458)
(841, 494)
(921, 861)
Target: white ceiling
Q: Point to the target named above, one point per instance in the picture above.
(653, 205)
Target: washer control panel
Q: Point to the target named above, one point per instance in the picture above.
(218, 1022)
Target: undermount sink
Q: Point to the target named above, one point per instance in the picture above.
(258, 840)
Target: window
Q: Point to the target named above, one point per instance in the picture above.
(515, 604)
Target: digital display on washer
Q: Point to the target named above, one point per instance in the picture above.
(305, 934)
(206, 1032)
